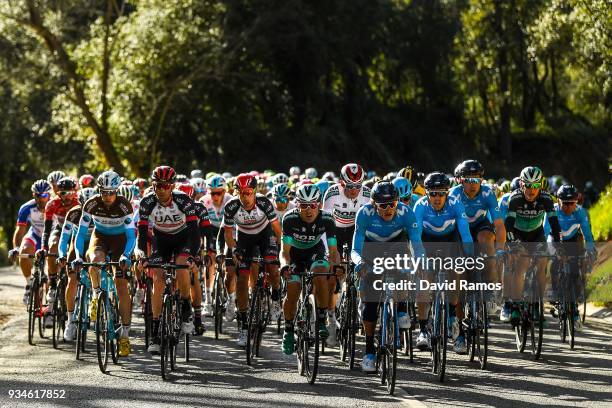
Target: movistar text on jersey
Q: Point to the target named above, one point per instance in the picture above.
(404, 262)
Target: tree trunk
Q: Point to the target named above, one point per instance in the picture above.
(505, 136)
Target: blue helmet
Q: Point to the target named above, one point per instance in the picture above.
(384, 192)
(323, 185)
(280, 191)
(41, 187)
(403, 187)
(216, 181)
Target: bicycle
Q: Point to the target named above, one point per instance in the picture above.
(80, 315)
(347, 312)
(171, 320)
(388, 341)
(147, 306)
(107, 324)
(306, 323)
(60, 308)
(585, 265)
(567, 299)
(408, 334)
(219, 294)
(440, 324)
(259, 312)
(35, 300)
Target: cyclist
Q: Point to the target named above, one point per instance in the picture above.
(503, 200)
(28, 241)
(175, 237)
(385, 220)
(527, 208)
(280, 199)
(87, 181)
(55, 212)
(481, 207)
(310, 173)
(114, 236)
(343, 200)
(404, 189)
(441, 219)
(303, 248)
(214, 202)
(66, 254)
(253, 216)
(53, 179)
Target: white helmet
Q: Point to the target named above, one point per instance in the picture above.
(311, 173)
(199, 184)
(85, 194)
(109, 180)
(126, 191)
(55, 176)
(294, 171)
(308, 193)
(531, 174)
(280, 178)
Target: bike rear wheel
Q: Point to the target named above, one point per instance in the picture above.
(103, 334)
(32, 312)
(571, 311)
(148, 313)
(81, 321)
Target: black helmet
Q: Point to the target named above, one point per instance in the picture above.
(469, 168)
(66, 184)
(437, 181)
(384, 192)
(515, 184)
(567, 192)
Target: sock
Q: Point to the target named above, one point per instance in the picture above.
(275, 294)
(370, 345)
(423, 325)
(208, 296)
(186, 309)
(125, 330)
(155, 327)
(197, 314)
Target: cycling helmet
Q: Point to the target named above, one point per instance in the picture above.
(196, 174)
(567, 192)
(66, 184)
(311, 173)
(406, 172)
(352, 173)
(199, 185)
(55, 176)
(384, 192)
(531, 174)
(181, 178)
(280, 178)
(437, 181)
(323, 185)
(515, 184)
(469, 168)
(280, 191)
(126, 191)
(211, 174)
(329, 176)
(308, 193)
(216, 181)
(140, 183)
(389, 176)
(86, 180)
(505, 186)
(545, 185)
(371, 174)
(226, 175)
(245, 180)
(294, 171)
(109, 180)
(41, 187)
(164, 174)
(403, 187)
(85, 194)
(186, 188)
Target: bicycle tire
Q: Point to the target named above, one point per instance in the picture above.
(148, 313)
(312, 336)
(352, 332)
(391, 349)
(80, 321)
(102, 332)
(252, 328)
(32, 312)
(571, 327)
(114, 339)
(164, 347)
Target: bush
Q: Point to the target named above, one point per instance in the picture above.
(601, 216)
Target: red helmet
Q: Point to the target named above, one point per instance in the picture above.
(141, 183)
(186, 188)
(164, 174)
(245, 180)
(352, 173)
(87, 180)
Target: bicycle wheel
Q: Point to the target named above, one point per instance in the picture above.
(186, 339)
(59, 315)
(252, 327)
(40, 313)
(164, 348)
(342, 334)
(148, 313)
(264, 318)
(175, 330)
(311, 340)
(570, 324)
(352, 326)
(32, 312)
(562, 321)
(116, 327)
(441, 339)
(536, 327)
(480, 332)
(81, 316)
(390, 355)
(102, 332)
(520, 331)
(219, 309)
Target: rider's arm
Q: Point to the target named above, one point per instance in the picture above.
(48, 225)
(332, 242)
(130, 235)
(585, 226)
(510, 218)
(67, 231)
(414, 234)
(359, 236)
(464, 228)
(20, 232)
(551, 214)
(82, 233)
(496, 216)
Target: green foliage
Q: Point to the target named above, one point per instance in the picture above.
(601, 216)
(599, 284)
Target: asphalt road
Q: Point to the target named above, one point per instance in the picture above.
(217, 374)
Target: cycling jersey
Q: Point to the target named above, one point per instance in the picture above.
(206, 229)
(280, 214)
(302, 235)
(250, 222)
(215, 214)
(482, 206)
(526, 217)
(503, 205)
(30, 214)
(438, 223)
(370, 227)
(55, 212)
(170, 220)
(69, 230)
(573, 224)
(343, 208)
(114, 220)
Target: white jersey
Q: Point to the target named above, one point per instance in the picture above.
(215, 214)
(343, 208)
(280, 214)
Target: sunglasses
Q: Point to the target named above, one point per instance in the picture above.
(304, 206)
(352, 186)
(472, 180)
(532, 185)
(437, 193)
(41, 195)
(163, 186)
(65, 193)
(406, 199)
(281, 200)
(108, 193)
(216, 193)
(568, 203)
(384, 206)
(200, 190)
